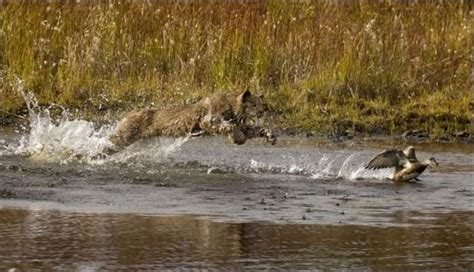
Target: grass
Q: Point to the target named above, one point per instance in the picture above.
(363, 67)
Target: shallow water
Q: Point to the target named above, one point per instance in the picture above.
(56, 240)
(204, 203)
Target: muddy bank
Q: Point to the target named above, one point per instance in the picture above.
(20, 123)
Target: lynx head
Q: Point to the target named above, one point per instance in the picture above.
(250, 106)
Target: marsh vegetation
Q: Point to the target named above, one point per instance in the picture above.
(363, 67)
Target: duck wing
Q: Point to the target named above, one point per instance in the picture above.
(410, 154)
(389, 158)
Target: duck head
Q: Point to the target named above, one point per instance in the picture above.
(432, 162)
(409, 151)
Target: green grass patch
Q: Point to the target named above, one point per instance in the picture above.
(363, 67)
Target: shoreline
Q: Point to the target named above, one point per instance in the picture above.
(347, 136)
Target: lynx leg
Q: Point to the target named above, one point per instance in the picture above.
(239, 134)
(257, 131)
(268, 134)
(196, 131)
(130, 128)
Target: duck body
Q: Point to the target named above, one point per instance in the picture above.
(407, 166)
(409, 172)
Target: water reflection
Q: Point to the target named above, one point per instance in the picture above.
(59, 240)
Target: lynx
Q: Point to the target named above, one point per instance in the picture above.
(225, 114)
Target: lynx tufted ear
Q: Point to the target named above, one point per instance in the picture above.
(244, 96)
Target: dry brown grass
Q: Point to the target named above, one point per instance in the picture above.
(327, 67)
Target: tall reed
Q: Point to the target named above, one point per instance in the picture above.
(367, 67)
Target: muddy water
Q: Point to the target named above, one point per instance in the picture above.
(204, 203)
(57, 240)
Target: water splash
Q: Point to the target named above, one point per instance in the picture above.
(361, 173)
(329, 166)
(65, 139)
(59, 139)
(155, 150)
(325, 168)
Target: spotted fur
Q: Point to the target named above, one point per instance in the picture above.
(228, 114)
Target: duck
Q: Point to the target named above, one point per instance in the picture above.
(407, 166)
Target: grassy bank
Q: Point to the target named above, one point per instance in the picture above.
(369, 68)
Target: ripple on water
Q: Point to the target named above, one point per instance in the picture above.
(59, 240)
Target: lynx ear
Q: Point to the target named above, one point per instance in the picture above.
(244, 97)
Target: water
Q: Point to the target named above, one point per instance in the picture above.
(204, 203)
(53, 240)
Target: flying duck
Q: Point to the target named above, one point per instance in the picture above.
(407, 166)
